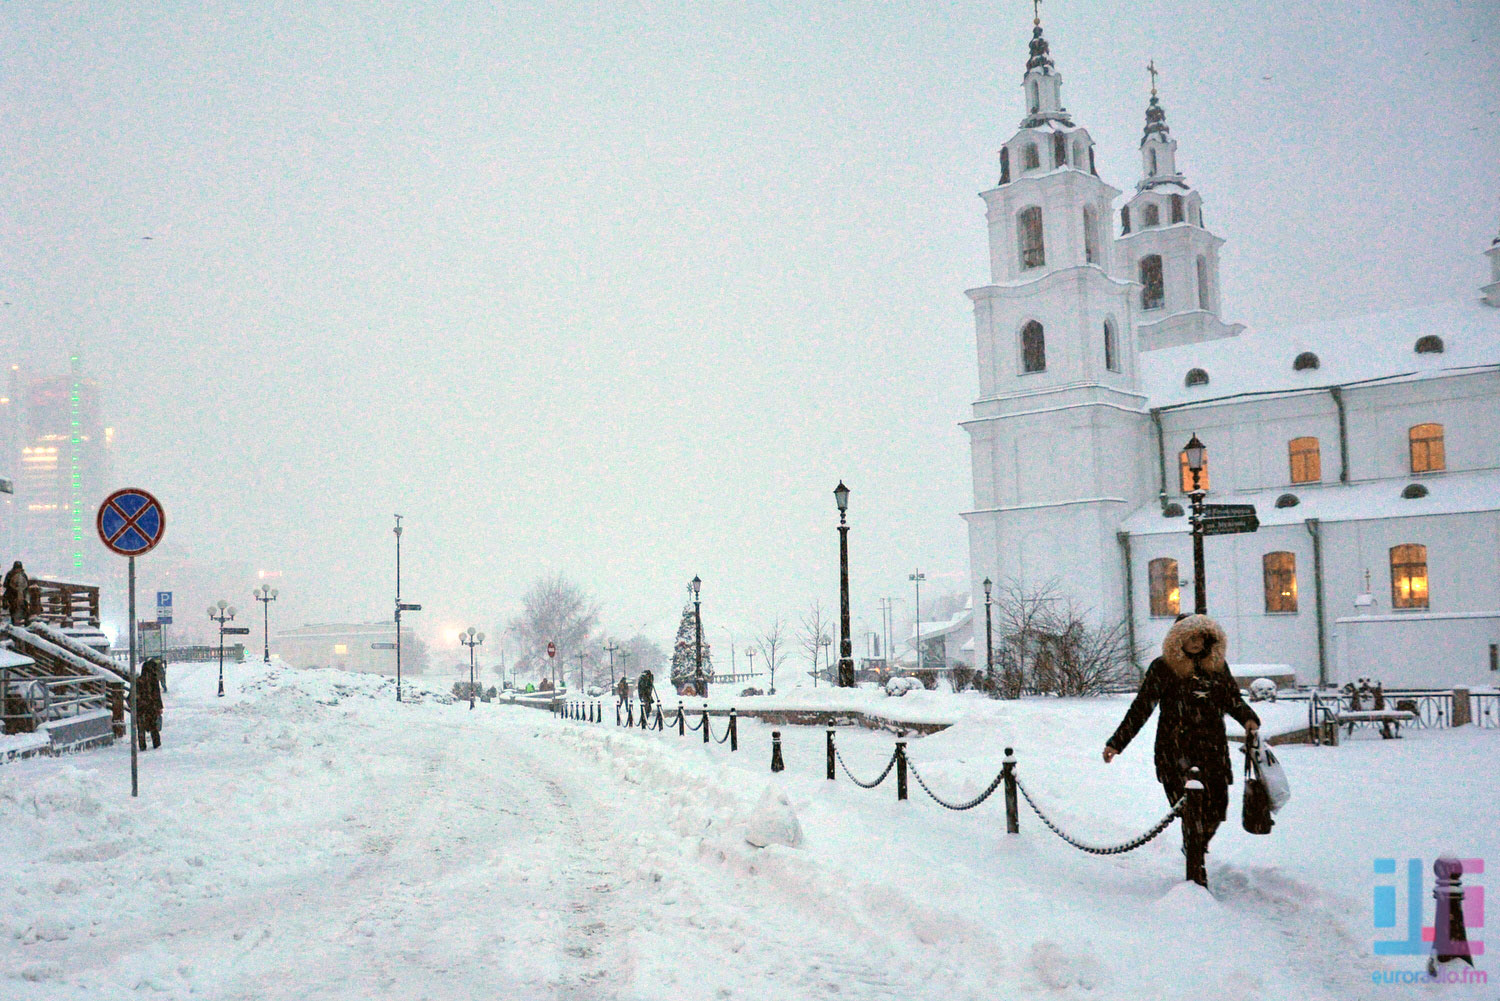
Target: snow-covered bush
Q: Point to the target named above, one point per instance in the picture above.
(901, 685)
(1262, 690)
(752, 690)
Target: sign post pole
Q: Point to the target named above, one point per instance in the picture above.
(135, 784)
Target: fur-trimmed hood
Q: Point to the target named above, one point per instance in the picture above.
(1195, 625)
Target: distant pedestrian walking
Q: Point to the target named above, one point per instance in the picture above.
(622, 690)
(16, 583)
(148, 702)
(1192, 684)
(645, 689)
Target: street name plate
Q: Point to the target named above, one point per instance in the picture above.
(236, 630)
(382, 646)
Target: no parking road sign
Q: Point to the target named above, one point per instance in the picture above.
(131, 522)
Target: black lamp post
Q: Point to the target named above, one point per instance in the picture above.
(265, 594)
(846, 651)
(221, 613)
(989, 643)
(1194, 453)
(471, 639)
(698, 679)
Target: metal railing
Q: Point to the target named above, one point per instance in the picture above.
(27, 701)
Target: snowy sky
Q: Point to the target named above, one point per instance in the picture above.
(625, 292)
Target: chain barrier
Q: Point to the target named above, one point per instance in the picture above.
(865, 785)
(1131, 845)
(955, 806)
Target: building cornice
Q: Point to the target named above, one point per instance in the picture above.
(1043, 506)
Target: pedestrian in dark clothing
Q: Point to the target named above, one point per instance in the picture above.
(622, 690)
(1192, 684)
(16, 583)
(700, 683)
(148, 702)
(645, 687)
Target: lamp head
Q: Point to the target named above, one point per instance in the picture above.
(1194, 452)
(696, 585)
(987, 585)
(223, 604)
(841, 496)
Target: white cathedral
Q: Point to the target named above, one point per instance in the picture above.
(1369, 447)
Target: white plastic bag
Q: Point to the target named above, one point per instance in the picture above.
(1271, 773)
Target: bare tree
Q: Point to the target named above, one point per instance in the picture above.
(772, 645)
(554, 610)
(814, 633)
(1050, 645)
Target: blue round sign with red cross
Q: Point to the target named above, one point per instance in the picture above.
(131, 522)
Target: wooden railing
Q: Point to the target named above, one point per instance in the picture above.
(63, 604)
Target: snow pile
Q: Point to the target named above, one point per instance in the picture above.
(902, 685)
(773, 822)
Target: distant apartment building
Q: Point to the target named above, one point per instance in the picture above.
(348, 647)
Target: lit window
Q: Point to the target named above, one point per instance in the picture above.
(1166, 595)
(1187, 474)
(1409, 576)
(1307, 463)
(1033, 252)
(1427, 452)
(340, 648)
(1033, 347)
(1153, 289)
(1279, 572)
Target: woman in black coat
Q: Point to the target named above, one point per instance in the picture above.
(1192, 684)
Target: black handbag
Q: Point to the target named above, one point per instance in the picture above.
(1256, 814)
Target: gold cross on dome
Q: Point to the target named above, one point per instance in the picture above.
(1151, 68)
(1036, 12)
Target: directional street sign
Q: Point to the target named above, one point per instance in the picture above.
(1229, 519)
(164, 607)
(382, 646)
(407, 606)
(236, 630)
(131, 522)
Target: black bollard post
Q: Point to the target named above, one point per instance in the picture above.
(1192, 830)
(1450, 940)
(900, 769)
(629, 714)
(658, 716)
(705, 724)
(681, 722)
(645, 715)
(776, 763)
(734, 731)
(617, 713)
(1012, 813)
(830, 754)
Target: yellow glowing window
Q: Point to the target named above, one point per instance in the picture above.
(340, 648)
(1427, 453)
(1187, 474)
(1166, 595)
(1279, 571)
(1409, 576)
(1307, 462)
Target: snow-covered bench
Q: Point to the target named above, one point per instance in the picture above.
(1385, 717)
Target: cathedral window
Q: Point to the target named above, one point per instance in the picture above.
(1125, 220)
(1185, 475)
(1177, 208)
(1036, 102)
(1092, 168)
(1111, 347)
(1203, 290)
(1090, 235)
(1429, 344)
(1166, 593)
(1279, 576)
(1306, 460)
(1427, 452)
(1153, 291)
(1030, 159)
(1033, 347)
(1004, 165)
(1150, 215)
(1059, 150)
(1029, 242)
(1195, 377)
(1152, 154)
(1306, 360)
(1409, 576)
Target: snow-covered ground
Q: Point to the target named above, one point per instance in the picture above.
(307, 837)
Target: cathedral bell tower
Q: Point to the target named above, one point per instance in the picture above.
(1059, 415)
(1166, 249)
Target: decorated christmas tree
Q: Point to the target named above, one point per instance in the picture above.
(683, 660)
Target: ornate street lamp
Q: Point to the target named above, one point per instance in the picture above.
(989, 643)
(471, 639)
(846, 652)
(698, 679)
(265, 594)
(1194, 453)
(221, 613)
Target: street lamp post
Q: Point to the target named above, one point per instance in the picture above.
(610, 649)
(846, 651)
(697, 634)
(471, 639)
(1194, 452)
(989, 643)
(397, 530)
(625, 656)
(221, 613)
(582, 681)
(917, 579)
(825, 643)
(265, 594)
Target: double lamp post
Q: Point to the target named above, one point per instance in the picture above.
(471, 639)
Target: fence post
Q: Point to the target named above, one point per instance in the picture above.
(646, 714)
(1450, 938)
(617, 712)
(830, 754)
(900, 769)
(1012, 811)
(705, 724)
(734, 731)
(629, 714)
(681, 722)
(776, 763)
(658, 716)
(1192, 829)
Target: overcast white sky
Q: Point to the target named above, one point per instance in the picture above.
(625, 292)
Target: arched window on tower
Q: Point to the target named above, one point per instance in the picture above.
(1030, 159)
(1177, 208)
(1059, 150)
(1203, 289)
(1035, 101)
(1152, 154)
(1409, 576)
(1004, 165)
(1092, 168)
(1279, 577)
(1111, 347)
(1033, 347)
(1166, 593)
(1150, 215)
(1306, 459)
(1125, 220)
(1153, 292)
(1031, 250)
(1090, 235)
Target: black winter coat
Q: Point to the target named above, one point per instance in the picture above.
(1191, 726)
(148, 696)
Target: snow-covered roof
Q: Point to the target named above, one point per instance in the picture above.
(1355, 349)
(942, 627)
(1448, 493)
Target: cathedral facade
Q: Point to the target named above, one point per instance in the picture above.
(1367, 446)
